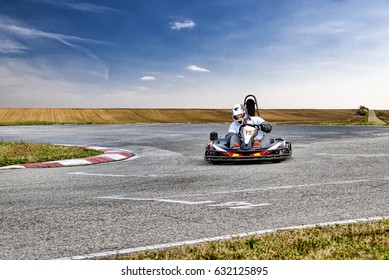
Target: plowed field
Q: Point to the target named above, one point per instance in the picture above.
(116, 116)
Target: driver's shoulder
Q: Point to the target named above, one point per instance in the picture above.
(256, 120)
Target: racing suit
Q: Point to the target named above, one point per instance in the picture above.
(232, 136)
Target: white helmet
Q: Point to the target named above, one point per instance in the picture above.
(239, 114)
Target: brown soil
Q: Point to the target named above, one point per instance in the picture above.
(116, 116)
(383, 115)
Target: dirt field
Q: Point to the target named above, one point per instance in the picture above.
(116, 116)
(383, 115)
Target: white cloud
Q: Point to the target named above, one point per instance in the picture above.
(185, 24)
(34, 33)
(195, 68)
(148, 78)
(80, 6)
(8, 45)
(25, 32)
(331, 27)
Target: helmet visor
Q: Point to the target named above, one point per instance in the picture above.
(238, 117)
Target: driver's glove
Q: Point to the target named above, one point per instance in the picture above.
(266, 127)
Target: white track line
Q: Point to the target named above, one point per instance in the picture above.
(354, 155)
(270, 188)
(291, 186)
(96, 174)
(119, 175)
(216, 238)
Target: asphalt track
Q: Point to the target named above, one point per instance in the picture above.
(168, 194)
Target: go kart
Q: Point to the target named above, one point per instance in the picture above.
(217, 150)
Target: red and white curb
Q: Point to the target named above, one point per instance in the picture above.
(109, 155)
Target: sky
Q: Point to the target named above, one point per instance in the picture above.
(318, 54)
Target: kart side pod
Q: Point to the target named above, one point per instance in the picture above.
(213, 136)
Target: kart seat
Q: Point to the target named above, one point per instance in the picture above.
(251, 104)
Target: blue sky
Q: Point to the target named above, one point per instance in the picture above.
(194, 54)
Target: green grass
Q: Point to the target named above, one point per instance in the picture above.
(20, 152)
(361, 241)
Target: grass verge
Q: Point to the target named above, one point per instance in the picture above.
(360, 241)
(20, 152)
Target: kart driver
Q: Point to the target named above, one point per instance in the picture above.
(240, 116)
